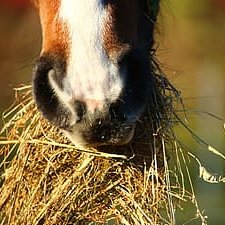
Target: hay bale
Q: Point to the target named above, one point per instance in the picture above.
(51, 181)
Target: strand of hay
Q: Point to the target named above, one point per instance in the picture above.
(50, 181)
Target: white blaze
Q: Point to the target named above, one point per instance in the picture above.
(90, 75)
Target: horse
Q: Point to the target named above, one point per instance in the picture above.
(93, 77)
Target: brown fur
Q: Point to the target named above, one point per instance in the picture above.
(54, 32)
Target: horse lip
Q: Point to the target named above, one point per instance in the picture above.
(124, 141)
(81, 135)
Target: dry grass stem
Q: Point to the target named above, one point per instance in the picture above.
(47, 180)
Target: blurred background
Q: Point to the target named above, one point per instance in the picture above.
(191, 36)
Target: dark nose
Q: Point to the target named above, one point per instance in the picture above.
(46, 100)
(47, 103)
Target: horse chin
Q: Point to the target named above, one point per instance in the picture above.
(92, 139)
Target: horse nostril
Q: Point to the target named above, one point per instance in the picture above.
(80, 109)
(46, 101)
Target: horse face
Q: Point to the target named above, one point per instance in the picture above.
(92, 78)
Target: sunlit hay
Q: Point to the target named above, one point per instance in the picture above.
(47, 180)
(51, 181)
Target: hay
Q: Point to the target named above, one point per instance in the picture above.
(51, 181)
(46, 180)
